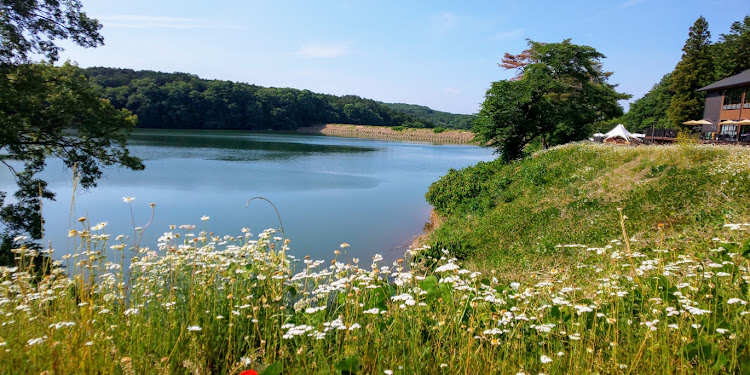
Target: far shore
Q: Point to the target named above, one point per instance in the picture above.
(384, 132)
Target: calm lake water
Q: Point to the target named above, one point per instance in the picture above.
(328, 190)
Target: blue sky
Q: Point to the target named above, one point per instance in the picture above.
(442, 54)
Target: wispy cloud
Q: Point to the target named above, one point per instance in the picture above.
(444, 21)
(157, 22)
(631, 3)
(452, 91)
(323, 50)
(508, 35)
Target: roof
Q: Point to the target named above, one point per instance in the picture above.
(620, 131)
(732, 81)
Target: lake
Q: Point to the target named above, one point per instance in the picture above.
(328, 190)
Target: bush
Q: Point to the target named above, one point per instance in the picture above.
(460, 187)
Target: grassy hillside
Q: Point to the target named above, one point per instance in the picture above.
(513, 217)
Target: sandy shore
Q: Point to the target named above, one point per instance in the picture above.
(383, 132)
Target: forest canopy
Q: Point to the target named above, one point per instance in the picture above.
(185, 101)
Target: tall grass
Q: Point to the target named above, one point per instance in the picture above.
(200, 303)
(512, 216)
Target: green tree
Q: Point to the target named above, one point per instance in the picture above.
(732, 52)
(651, 110)
(29, 27)
(561, 91)
(48, 111)
(694, 71)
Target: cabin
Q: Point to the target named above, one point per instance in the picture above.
(728, 103)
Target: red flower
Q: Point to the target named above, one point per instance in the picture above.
(249, 372)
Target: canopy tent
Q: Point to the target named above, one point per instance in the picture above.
(620, 133)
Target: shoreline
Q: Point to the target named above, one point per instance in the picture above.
(430, 226)
(387, 133)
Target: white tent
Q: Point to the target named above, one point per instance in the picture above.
(619, 131)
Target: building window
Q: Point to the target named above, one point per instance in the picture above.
(747, 99)
(733, 99)
(729, 131)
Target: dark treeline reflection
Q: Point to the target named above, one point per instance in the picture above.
(238, 144)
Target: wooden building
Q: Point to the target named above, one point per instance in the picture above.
(728, 99)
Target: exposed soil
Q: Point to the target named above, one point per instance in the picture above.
(384, 132)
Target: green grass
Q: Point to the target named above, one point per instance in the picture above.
(663, 300)
(513, 216)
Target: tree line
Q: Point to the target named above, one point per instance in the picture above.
(437, 118)
(673, 100)
(185, 101)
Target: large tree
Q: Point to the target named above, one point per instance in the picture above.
(732, 52)
(650, 111)
(694, 71)
(48, 111)
(560, 92)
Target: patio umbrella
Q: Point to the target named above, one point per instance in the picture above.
(744, 122)
(690, 122)
(703, 122)
(728, 122)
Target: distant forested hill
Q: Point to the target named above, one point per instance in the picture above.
(185, 101)
(437, 118)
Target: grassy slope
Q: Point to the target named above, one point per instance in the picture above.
(511, 217)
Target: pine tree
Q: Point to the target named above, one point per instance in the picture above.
(695, 70)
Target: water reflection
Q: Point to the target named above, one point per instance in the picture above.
(228, 146)
(329, 190)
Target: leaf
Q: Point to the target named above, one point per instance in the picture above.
(292, 291)
(745, 249)
(348, 366)
(555, 312)
(429, 283)
(272, 369)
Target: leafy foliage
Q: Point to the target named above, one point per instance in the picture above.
(695, 70)
(54, 111)
(434, 118)
(562, 92)
(732, 52)
(29, 27)
(46, 111)
(650, 110)
(185, 101)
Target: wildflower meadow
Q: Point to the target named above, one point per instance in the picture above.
(201, 303)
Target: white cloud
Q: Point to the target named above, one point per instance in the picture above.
(508, 35)
(323, 51)
(157, 22)
(447, 19)
(444, 21)
(631, 3)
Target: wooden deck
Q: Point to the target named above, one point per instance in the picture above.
(664, 140)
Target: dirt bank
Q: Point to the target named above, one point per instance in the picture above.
(429, 227)
(383, 132)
